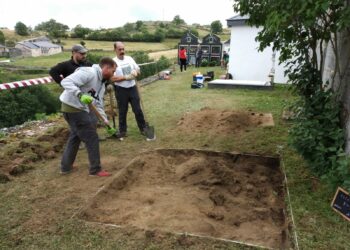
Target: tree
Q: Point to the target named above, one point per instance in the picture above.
(216, 27)
(139, 25)
(21, 29)
(53, 28)
(303, 31)
(80, 31)
(2, 38)
(128, 27)
(177, 20)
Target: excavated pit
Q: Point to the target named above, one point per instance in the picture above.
(229, 196)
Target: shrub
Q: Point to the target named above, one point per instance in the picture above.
(213, 63)
(22, 104)
(204, 63)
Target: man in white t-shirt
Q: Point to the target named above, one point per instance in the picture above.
(126, 89)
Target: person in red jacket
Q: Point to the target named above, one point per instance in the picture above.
(183, 58)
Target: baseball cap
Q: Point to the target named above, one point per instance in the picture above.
(79, 48)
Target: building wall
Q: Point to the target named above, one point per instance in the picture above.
(246, 62)
(53, 51)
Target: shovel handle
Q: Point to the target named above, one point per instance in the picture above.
(99, 116)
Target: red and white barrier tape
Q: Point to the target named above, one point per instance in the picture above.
(26, 83)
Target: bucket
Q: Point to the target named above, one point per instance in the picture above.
(199, 78)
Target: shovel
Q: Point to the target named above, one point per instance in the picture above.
(148, 130)
(111, 103)
(101, 118)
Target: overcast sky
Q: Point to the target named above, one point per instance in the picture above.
(109, 13)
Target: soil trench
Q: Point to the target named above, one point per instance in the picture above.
(223, 195)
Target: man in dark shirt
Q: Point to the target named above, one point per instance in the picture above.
(64, 69)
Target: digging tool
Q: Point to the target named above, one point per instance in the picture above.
(111, 103)
(149, 130)
(101, 118)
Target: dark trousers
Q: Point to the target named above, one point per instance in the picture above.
(198, 62)
(124, 96)
(183, 63)
(82, 128)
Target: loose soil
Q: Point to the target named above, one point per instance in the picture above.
(38, 145)
(223, 121)
(223, 195)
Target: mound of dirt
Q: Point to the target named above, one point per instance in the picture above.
(223, 195)
(223, 121)
(19, 158)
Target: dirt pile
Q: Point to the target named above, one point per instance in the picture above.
(223, 121)
(223, 195)
(17, 158)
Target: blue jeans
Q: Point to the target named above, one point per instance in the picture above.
(82, 128)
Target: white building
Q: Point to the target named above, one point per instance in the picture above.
(246, 62)
(38, 47)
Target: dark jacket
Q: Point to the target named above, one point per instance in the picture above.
(65, 69)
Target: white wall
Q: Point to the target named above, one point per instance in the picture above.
(246, 63)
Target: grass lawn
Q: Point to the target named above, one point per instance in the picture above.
(36, 208)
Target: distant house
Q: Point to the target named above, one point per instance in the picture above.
(40, 46)
(212, 48)
(190, 42)
(3, 51)
(246, 62)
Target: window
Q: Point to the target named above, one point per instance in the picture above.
(189, 39)
(211, 40)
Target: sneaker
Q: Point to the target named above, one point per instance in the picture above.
(102, 173)
(74, 168)
(121, 135)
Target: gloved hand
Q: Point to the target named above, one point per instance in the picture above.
(129, 77)
(111, 131)
(86, 99)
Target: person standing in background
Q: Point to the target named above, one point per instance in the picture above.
(126, 90)
(183, 58)
(64, 69)
(199, 53)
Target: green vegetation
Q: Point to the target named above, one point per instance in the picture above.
(23, 104)
(216, 27)
(2, 38)
(21, 29)
(299, 30)
(53, 28)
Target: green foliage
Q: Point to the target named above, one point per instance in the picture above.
(204, 63)
(153, 68)
(139, 25)
(10, 43)
(21, 29)
(216, 27)
(177, 20)
(80, 32)
(213, 63)
(128, 27)
(298, 30)
(53, 28)
(22, 104)
(2, 38)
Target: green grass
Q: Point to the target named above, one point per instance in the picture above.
(36, 208)
(108, 45)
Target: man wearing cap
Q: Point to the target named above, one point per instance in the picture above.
(64, 69)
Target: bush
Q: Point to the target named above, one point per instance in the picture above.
(213, 63)
(22, 104)
(204, 63)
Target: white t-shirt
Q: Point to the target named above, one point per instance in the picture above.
(124, 67)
